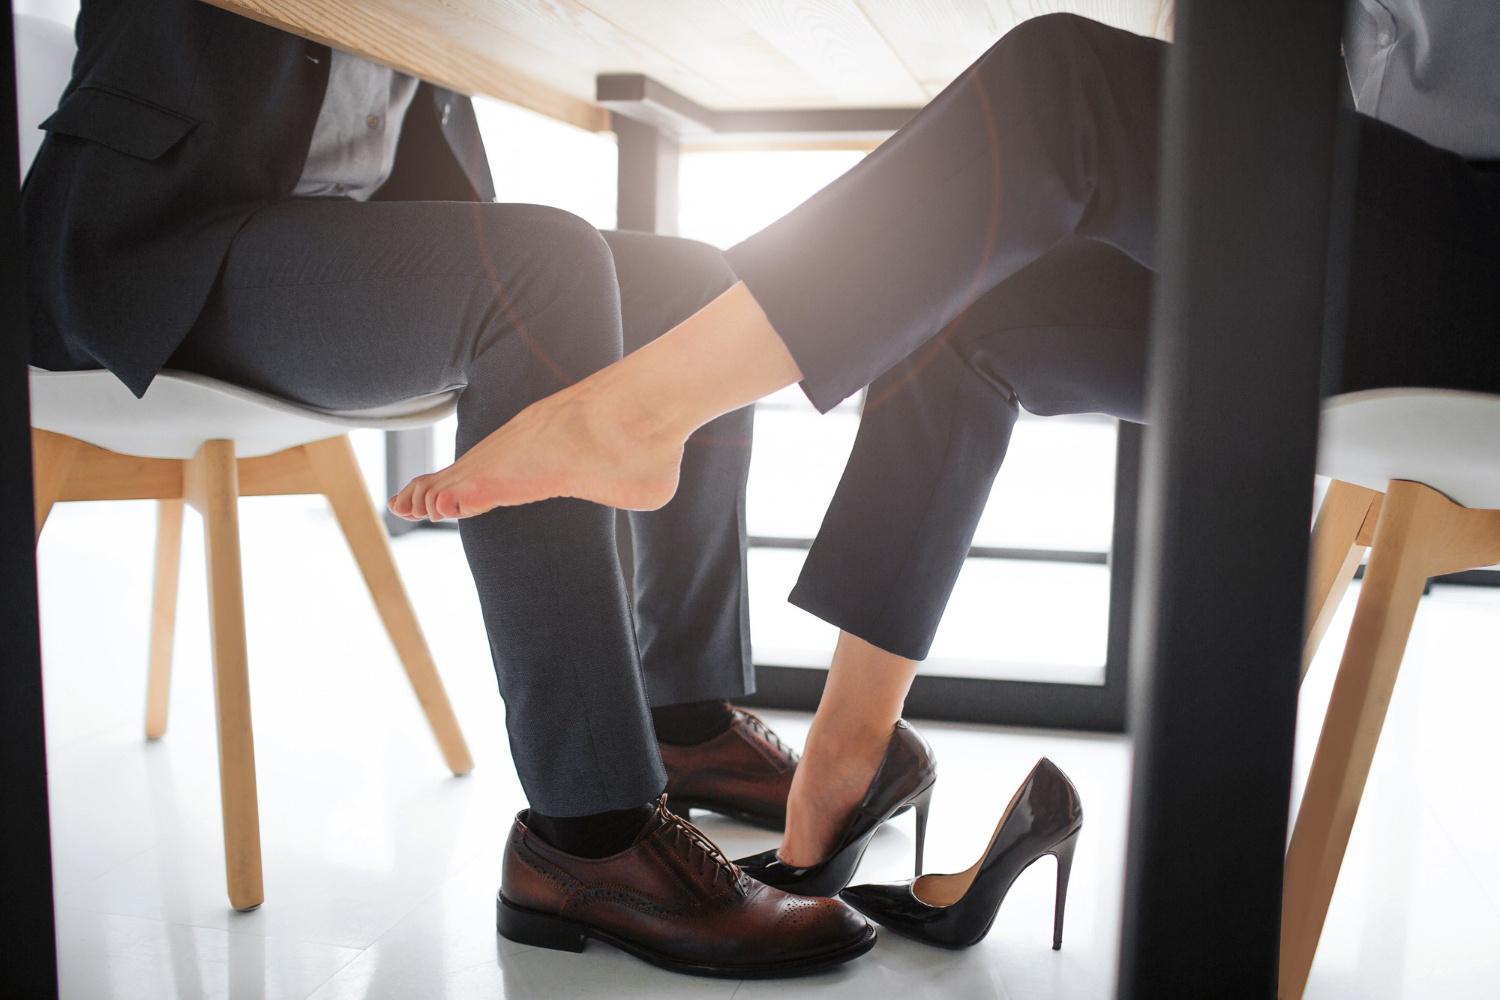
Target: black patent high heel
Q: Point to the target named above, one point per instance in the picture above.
(903, 781)
(956, 911)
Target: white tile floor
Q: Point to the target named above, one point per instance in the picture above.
(380, 868)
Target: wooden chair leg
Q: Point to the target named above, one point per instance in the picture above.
(1342, 532)
(163, 615)
(51, 459)
(211, 484)
(1420, 534)
(339, 476)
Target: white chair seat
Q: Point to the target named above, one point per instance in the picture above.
(181, 410)
(1446, 439)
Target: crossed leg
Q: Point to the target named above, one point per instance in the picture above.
(978, 185)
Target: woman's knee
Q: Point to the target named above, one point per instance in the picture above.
(1040, 53)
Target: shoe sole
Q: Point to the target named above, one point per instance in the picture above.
(542, 930)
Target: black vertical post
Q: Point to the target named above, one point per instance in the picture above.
(647, 182)
(1244, 221)
(1113, 698)
(29, 968)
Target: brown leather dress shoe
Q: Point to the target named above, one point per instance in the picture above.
(745, 773)
(674, 900)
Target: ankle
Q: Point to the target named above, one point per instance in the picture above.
(617, 407)
(847, 739)
(691, 723)
(595, 836)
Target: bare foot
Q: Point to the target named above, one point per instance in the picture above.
(581, 442)
(830, 783)
(616, 437)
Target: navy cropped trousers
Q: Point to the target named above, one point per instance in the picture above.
(996, 252)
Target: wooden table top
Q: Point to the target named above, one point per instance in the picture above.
(723, 54)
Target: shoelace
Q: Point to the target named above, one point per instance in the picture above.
(769, 736)
(710, 858)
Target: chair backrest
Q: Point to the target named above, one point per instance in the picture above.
(1446, 439)
(44, 65)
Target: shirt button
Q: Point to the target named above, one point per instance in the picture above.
(1385, 38)
(373, 121)
(446, 109)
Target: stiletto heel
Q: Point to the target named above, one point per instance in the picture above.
(1064, 854)
(922, 803)
(903, 781)
(956, 911)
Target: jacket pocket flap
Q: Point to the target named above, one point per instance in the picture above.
(120, 122)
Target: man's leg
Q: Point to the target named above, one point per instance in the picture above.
(348, 305)
(691, 591)
(342, 304)
(693, 616)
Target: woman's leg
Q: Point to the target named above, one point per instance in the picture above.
(1051, 134)
(861, 702)
(1065, 335)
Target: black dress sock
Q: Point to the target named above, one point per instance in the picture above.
(596, 836)
(692, 722)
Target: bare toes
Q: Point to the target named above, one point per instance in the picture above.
(421, 489)
(400, 504)
(445, 503)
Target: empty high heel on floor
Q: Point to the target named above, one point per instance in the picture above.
(903, 780)
(956, 911)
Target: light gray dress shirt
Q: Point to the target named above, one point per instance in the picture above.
(353, 144)
(1431, 68)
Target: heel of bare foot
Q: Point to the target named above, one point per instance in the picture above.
(830, 782)
(567, 445)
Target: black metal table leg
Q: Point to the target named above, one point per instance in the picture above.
(1248, 186)
(29, 968)
(646, 186)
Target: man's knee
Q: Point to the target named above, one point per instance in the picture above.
(557, 237)
(663, 281)
(670, 263)
(563, 254)
(558, 301)
(701, 265)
